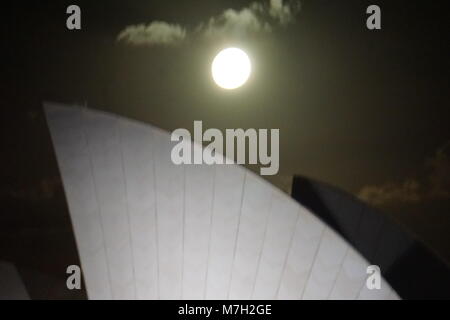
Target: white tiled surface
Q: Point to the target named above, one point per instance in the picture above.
(350, 277)
(279, 235)
(148, 229)
(199, 191)
(138, 163)
(302, 252)
(326, 266)
(228, 193)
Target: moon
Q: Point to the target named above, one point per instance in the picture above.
(231, 68)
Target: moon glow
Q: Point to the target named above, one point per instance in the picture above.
(231, 68)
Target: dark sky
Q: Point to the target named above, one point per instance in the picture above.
(355, 108)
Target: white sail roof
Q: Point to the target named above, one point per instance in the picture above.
(148, 229)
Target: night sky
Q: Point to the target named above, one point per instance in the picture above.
(366, 111)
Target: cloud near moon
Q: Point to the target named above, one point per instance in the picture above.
(256, 18)
(435, 185)
(157, 32)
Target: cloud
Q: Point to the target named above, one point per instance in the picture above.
(256, 18)
(156, 33)
(234, 23)
(436, 185)
(406, 192)
(284, 13)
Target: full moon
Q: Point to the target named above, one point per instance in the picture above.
(231, 68)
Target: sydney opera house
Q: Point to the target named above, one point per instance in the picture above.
(146, 228)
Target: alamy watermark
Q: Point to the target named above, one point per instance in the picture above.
(260, 149)
(73, 21)
(74, 279)
(373, 281)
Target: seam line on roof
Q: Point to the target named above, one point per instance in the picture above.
(358, 295)
(119, 133)
(210, 232)
(341, 265)
(269, 215)
(319, 245)
(83, 129)
(291, 240)
(237, 234)
(158, 290)
(183, 218)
